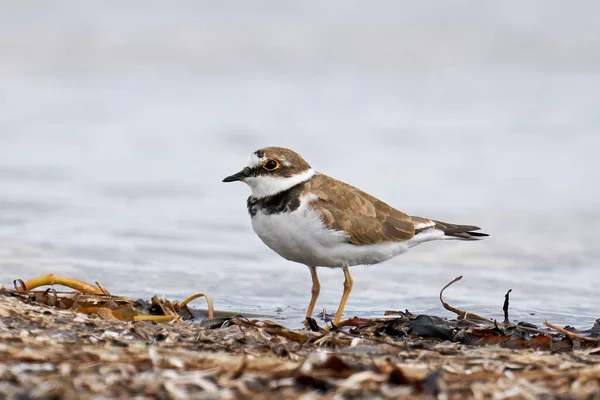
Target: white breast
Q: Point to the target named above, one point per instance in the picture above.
(302, 237)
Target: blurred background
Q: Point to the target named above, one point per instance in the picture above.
(118, 121)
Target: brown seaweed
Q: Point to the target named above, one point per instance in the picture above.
(90, 343)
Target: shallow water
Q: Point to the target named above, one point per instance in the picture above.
(117, 124)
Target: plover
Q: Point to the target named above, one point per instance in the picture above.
(313, 219)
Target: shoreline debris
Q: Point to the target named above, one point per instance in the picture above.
(86, 343)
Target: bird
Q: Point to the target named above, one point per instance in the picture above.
(310, 218)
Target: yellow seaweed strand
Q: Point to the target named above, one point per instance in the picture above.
(51, 279)
(209, 302)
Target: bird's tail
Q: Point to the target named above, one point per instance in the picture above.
(450, 231)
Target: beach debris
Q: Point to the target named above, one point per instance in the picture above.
(47, 352)
(505, 307)
(89, 299)
(461, 313)
(91, 343)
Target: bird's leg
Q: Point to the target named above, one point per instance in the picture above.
(316, 289)
(348, 282)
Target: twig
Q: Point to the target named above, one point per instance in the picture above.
(570, 334)
(505, 307)
(461, 313)
(155, 318)
(106, 292)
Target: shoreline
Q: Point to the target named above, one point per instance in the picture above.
(50, 352)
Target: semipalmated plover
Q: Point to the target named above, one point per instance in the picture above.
(318, 221)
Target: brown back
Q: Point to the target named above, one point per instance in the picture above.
(366, 219)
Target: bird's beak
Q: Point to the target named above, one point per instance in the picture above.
(237, 177)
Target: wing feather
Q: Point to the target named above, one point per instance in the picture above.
(364, 218)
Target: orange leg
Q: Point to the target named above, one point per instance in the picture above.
(348, 282)
(316, 289)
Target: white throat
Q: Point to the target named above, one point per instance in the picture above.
(264, 185)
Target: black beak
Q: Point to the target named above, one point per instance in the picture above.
(237, 177)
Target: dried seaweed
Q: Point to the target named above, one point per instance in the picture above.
(570, 334)
(97, 300)
(57, 344)
(461, 313)
(505, 306)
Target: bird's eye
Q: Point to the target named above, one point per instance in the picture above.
(271, 165)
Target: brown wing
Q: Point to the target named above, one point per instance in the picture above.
(366, 219)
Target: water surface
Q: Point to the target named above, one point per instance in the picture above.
(118, 122)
